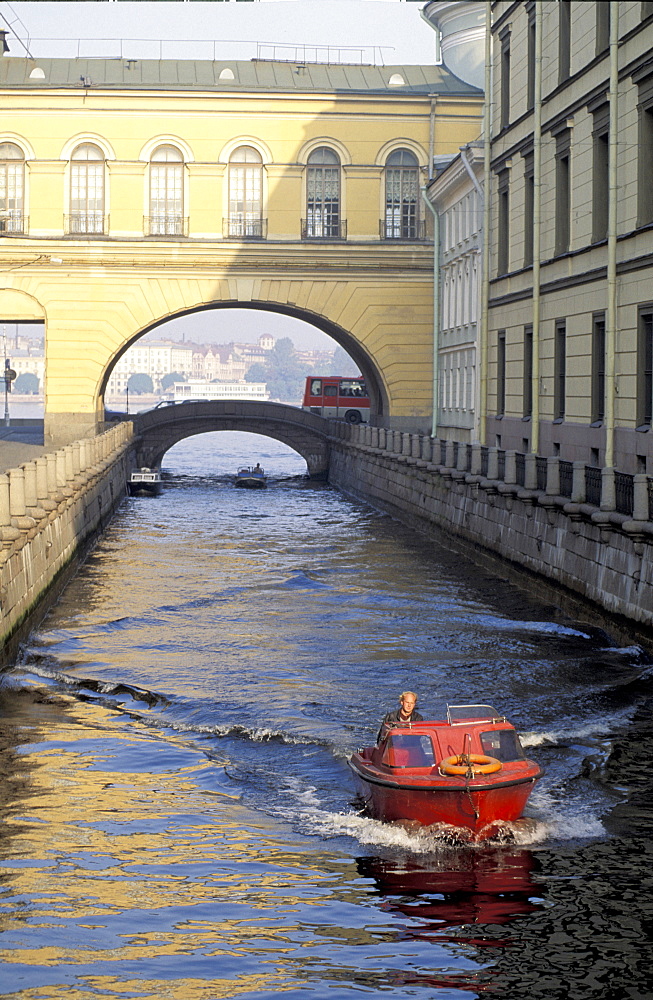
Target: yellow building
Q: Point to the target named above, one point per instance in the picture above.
(133, 191)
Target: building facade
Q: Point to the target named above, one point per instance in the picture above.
(570, 321)
(136, 191)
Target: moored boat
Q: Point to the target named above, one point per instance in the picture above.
(251, 478)
(144, 482)
(467, 773)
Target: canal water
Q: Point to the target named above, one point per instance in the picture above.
(178, 814)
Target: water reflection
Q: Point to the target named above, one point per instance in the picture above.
(178, 818)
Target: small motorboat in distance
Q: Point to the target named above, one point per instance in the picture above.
(251, 478)
(144, 482)
(467, 774)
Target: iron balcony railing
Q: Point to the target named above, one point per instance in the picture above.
(540, 468)
(13, 223)
(624, 487)
(324, 229)
(501, 463)
(238, 227)
(593, 485)
(520, 468)
(566, 478)
(165, 225)
(86, 224)
(390, 229)
(484, 460)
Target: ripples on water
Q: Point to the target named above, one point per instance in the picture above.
(178, 809)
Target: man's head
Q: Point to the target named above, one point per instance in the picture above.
(408, 702)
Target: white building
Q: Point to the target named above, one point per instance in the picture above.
(456, 195)
(152, 358)
(198, 389)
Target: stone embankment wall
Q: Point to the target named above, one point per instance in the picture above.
(474, 493)
(51, 510)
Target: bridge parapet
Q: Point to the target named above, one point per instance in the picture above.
(307, 433)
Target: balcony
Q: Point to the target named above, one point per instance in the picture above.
(237, 227)
(328, 228)
(86, 224)
(395, 229)
(167, 226)
(13, 223)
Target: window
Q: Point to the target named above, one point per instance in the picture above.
(503, 222)
(401, 196)
(322, 196)
(528, 371)
(529, 207)
(602, 26)
(245, 193)
(530, 42)
(645, 367)
(600, 175)
(559, 369)
(12, 188)
(166, 192)
(86, 190)
(564, 40)
(563, 200)
(501, 372)
(505, 78)
(598, 368)
(645, 164)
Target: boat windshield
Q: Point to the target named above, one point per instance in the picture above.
(408, 750)
(503, 744)
(468, 713)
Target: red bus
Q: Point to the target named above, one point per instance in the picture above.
(334, 396)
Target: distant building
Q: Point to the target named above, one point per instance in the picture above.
(153, 358)
(196, 389)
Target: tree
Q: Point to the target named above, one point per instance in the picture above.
(26, 383)
(282, 372)
(140, 383)
(342, 364)
(171, 378)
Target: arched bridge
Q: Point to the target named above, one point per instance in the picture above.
(306, 433)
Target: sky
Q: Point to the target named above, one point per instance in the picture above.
(387, 32)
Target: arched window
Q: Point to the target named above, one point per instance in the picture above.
(166, 192)
(323, 196)
(12, 188)
(401, 196)
(245, 193)
(86, 190)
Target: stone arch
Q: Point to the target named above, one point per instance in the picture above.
(367, 365)
(306, 433)
(17, 306)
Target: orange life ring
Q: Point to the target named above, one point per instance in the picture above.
(477, 763)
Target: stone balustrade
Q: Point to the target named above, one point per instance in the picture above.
(51, 508)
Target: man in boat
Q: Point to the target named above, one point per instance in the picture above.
(257, 467)
(405, 713)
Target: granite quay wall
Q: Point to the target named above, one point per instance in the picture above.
(585, 529)
(51, 511)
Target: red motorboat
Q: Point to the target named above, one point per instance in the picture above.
(468, 773)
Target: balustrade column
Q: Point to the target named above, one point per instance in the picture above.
(415, 449)
(640, 497)
(493, 463)
(552, 476)
(5, 509)
(510, 474)
(578, 485)
(608, 489)
(427, 448)
(449, 462)
(530, 471)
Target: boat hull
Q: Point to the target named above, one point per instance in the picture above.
(251, 483)
(477, 809)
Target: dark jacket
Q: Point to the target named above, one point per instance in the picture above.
(392, 718)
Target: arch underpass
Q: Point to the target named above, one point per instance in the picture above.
(307, 433)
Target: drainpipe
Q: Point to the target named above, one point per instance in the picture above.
(485, 259)
(436, 315)
(611, 312)
(431, 137)
(537, 229)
